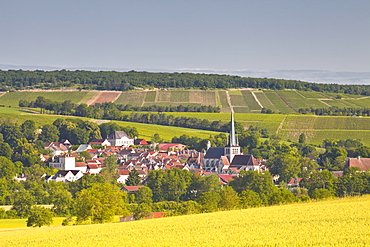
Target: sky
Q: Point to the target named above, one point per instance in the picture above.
(293, 39)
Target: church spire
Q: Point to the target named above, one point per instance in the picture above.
(232, 131)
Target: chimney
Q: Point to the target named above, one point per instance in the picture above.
(358, 157)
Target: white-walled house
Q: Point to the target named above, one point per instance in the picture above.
(64, 162)
(120, 138)
(66, 176)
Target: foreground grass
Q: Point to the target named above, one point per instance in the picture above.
(339, 222)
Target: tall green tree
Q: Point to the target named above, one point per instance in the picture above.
(40, 216)
(99, 203)
(133, 178)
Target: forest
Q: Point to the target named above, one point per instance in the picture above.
(123, 81)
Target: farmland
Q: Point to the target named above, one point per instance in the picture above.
(339, 222)
(241, 100)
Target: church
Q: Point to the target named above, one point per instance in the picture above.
(228, 159)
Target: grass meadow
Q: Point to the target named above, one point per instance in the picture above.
(12, 98)
(336, 222)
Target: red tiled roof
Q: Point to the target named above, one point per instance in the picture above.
(80, 164)
(132, 188)
(362, 163)
(123, 172)
(226, 178)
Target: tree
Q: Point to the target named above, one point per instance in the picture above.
(228, 199)
(322, 194)
(49, 133)
(40, 216)
(133, 178)
(28, 129)
(144, 195)
(23, 202)
(249, 198)
(302, 138)
(86, 155)
(156, 138)
(99, 203)
(109, 172)
(5, 150)
(285, 165)
(142, 211)
(7, 168)
(210, 201)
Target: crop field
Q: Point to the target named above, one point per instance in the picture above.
(12, 98)
(135, 98)
(265, 101)
(237, 100)
(203, 97)
(223, 99)
(17, 223)
(150, 96)
(102, 97)
(278, 103)
(179, 96)
(339, 222)
(312, 94)
(360, 102)
(251, 101)
(87, 97)
(296, 101)
(241, 109)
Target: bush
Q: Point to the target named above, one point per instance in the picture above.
(322, 194)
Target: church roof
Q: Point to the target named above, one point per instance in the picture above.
(243, 160)
(118, 135)
(214, 153)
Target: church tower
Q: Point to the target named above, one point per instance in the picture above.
(232, 148)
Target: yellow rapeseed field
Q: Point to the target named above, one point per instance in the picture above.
(340, 222)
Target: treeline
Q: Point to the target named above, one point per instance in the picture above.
(67, 107)
(336, 111)
(122, 81)
(179, 108)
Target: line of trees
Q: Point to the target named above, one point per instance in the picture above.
(179, 108)
(122, 81)
(336, 111)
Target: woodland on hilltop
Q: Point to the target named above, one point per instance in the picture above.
(123, 81)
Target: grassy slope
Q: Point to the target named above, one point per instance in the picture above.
(145, 130)
(339, 222)
(12, 98)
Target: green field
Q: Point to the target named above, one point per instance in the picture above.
(17, 223)
(336, 222)
(135, 98)
(12, 98)
(243, 101)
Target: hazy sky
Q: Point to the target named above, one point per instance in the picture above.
(173, 35)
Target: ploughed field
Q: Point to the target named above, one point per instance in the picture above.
(337, 222)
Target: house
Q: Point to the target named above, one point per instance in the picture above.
(224, 179)
(64, 162)
(140, 142)
(120, 138)
(171, 146)
(101, 142)
(56, 148)
(131, 188)
(83, 147)
(294, 182)
(66, 176)
(362, 163)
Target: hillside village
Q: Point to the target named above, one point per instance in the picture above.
(226, 162)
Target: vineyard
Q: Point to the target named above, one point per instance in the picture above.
(242, 100)
(339, 222)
